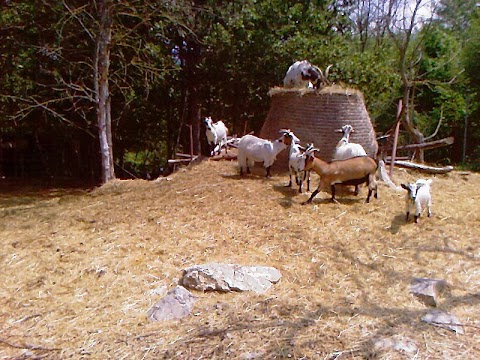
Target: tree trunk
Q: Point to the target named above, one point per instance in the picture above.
(418, 137)
(102, 64)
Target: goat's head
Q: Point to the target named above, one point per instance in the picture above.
(208, 122)
(308, 72)
(412, 189)
(309, 156)
(288, 137)
(346, 130)
(322, 79)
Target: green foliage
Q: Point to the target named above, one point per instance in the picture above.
(228, 54)
(471, 52)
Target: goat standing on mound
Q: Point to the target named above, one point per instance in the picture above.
(216, 135)
(354, 171)
(418, 195)
(253, 149)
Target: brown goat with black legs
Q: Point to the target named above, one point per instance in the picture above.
(353, 171)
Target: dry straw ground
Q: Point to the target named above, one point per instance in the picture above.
(80, 269)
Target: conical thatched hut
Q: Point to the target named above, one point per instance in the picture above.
(314, 115)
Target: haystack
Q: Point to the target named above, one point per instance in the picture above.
(314, 115)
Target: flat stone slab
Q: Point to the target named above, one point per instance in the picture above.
(444, 320)
(176, 304)
(230, 277)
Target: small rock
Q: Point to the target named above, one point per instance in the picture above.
(177, 304)
(428, 290)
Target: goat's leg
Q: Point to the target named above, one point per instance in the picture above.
(311, 197)
(290, 182)
(418, 210)
(320, 187)
(368, 196)
(332, 187)
(268, 171)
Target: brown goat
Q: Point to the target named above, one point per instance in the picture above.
(353, 171)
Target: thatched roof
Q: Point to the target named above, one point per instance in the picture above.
(314, 115)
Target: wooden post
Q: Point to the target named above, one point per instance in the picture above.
(190, 127)
(395, 138)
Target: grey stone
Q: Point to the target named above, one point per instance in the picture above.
(230, 277)
(398, 343)
(428, 290)
(176, 304)
(444, 320)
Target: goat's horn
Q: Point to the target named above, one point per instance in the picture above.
(327, 70)
(322, 77)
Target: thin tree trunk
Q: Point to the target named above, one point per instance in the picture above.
(418, 137)
(102, 64)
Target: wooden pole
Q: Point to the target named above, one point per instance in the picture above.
(395, 137)
(191, 141)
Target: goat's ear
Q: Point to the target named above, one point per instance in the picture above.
(338, 130)
(405, 186)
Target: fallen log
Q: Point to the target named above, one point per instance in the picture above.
(186, 160)
(429, 145)
(422, 167)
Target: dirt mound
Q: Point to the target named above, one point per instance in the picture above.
(80, 270)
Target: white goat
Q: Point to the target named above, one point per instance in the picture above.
(354, 171)
(300, 74)
(296, 166)
(216, 135)
(347, 150)
(418, 196)
(253, 149)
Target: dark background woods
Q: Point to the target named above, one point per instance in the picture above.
(172, 63)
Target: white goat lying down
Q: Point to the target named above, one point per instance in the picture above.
(354, 171)
(347, 150)
(253, 149)
(418, 196)
(302, 74)
(216, 135)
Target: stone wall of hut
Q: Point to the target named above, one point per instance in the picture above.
(314, 116)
